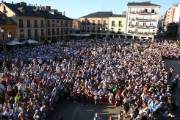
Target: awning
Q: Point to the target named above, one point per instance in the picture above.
(83, 35)
(32, 41)
(14, 42)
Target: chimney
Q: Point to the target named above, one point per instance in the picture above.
(64, 13)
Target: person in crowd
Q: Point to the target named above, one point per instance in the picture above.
(124, 73)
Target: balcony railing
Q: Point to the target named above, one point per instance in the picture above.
(144, 13)
(146, 27)
(143, 19)
(147, 13)
(145, 33)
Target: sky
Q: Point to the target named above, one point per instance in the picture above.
(79, 8)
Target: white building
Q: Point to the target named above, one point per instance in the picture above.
(142, 19)
(172, 15)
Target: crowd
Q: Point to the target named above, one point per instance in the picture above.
(130, 74)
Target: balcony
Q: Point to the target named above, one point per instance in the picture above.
(132, 32)
(132, 12)
(147, 13)
(132, 19)
(143, 13)
(145, 33)
(131, 26)
(143, 19)
(146, 27)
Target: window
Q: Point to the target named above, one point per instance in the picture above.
(49, 32)
(21, 36)
(152, 11)
(53, 24)
(98, 21)
(66, 23)
(28, 24)
(144, 24)
(120, 23)
(36, 33)
(29, 33)
(42, 23)
(48, 23)
(66, 31)
(35, 24)
(112, 29)
(93, 21)
(104, 22)
(119, 30)
(57, 21)
(93, 29)
(62, 32)
(61, 23)
(53, 32)
(57, 30)
(137, 23)
(145, 10)
(21, 23)
(42, 32)
(4, 11)
(21, 30)
(113, 23)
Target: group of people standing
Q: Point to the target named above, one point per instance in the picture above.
(128, 74)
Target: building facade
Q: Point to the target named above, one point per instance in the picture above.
(95, 22)
(117, 23)
(172, 15)
(7, 28)
(37, 22)
(102, 22)
(142, 19)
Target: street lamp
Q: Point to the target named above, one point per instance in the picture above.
(2, 32)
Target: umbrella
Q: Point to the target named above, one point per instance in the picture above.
(32, 41)
(14, 42)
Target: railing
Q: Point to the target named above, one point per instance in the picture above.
(146, 27)
(139, 19)
(144, 13)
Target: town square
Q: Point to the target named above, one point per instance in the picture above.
(89, 60)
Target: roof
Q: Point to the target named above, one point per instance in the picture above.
(22, 9)
(141, 4)
(118, 15)
(99, 14)
(4, 20)
(102, 15)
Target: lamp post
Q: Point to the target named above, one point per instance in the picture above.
(2, 32)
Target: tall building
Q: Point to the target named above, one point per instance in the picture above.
(142, 19)
(103, 22)
(172, 15)
(37, 22)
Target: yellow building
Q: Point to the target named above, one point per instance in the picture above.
(37, 22)
(7, 28)
(117, 23)
(103, 22)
